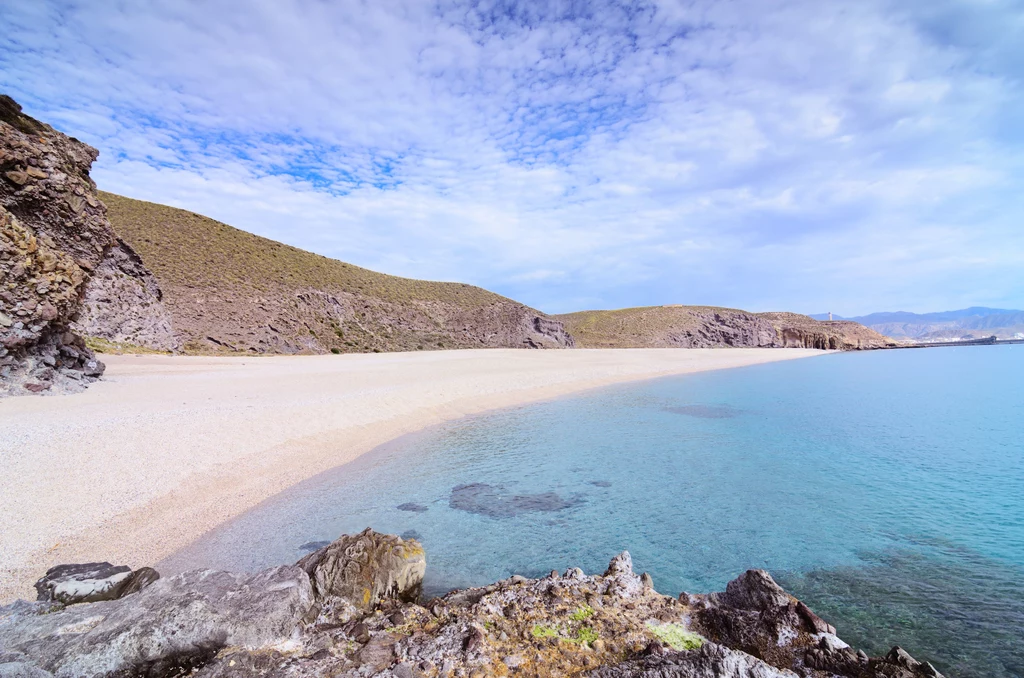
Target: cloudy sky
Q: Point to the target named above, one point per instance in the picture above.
(847, 156)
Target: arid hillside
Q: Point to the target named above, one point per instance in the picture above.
(229, 291)
(709, 326)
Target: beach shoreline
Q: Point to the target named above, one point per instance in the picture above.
(166, 448)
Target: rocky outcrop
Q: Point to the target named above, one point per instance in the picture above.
(123, 303)
(676, 326)
(344, 611)
(365, 569)
(801, 331)
(725, 328)
(53, 234)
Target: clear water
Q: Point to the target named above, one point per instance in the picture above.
(885, 488)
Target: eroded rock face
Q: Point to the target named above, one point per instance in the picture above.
(53, 233)
(123, 303)
(800, 331)
(725, 328)
(280, 623)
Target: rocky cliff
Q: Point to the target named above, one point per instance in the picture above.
(352, 609)
(710, 327)
(53, 235)
(801, 331)
(226, 290)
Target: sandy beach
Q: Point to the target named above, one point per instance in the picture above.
(166, 448)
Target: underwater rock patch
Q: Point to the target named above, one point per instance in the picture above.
(600, 483)
(488, 500)
(412, 507)
(705, 411)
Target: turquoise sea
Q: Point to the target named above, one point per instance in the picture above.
(885, 489)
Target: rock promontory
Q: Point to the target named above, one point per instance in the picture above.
(53, 234)
(678, 326)
(352, 609)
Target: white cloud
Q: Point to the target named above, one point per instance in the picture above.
(855, 155)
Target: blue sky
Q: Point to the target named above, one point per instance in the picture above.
(810, 156)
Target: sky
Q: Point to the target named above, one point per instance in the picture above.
(808, 156)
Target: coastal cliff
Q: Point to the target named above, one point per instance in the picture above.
(228, 291)
(800, 331)
(53, 236)
(353, 609)
(677, 326)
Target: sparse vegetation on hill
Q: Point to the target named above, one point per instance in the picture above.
(228, 291)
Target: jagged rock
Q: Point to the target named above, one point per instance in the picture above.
(756, 616)
(219, 625)
(92, 582)
(366, 568)
(755, 590)
(47, 248)
(705, 662)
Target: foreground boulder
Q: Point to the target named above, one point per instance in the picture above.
(364, 569)
(346, 611)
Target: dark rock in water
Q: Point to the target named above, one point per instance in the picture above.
(411, 534)
(489, 500)
(367, 568)
(411, 506)
(92, 582)
(705, 411)
(600, 483)
(313, 546)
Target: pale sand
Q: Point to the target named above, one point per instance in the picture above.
(166, 448)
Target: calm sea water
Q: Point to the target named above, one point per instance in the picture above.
(886, 489)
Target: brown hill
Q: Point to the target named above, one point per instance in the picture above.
(709, 326)
(225, 290)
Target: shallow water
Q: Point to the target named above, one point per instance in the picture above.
(885, 488)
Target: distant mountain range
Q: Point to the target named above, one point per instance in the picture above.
(973, 322)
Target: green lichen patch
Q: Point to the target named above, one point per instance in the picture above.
(542, 631)
(585, 635)
(582, 613)
(676, 636)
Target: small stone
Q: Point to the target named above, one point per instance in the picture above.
(17, 177)
(360, 633)
(36, 172)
